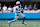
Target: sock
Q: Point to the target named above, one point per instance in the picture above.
(23, 20)
(12, 21)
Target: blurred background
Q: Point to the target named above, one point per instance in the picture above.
(30, 8)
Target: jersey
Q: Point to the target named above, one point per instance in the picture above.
(17, 11)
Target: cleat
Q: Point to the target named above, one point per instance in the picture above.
(24, 23)
(9, 23)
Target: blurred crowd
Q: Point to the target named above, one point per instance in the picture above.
(25, 9)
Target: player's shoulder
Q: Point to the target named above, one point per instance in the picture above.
(17, 7)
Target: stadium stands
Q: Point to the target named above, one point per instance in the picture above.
(27, 9)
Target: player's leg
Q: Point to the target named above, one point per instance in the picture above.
(16, 17)
(11, 21)
(21, 15)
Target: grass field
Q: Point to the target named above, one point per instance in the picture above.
(30, 23)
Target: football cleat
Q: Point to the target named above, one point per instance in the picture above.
(9, 23)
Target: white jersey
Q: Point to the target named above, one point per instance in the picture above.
(4, 8)
(14, 9)
(9, 8)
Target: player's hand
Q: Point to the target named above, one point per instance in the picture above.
(21, 10)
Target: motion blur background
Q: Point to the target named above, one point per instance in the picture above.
(30, 8)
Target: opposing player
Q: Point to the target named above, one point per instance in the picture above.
(18, 14)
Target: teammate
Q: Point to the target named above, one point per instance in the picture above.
(18, 14)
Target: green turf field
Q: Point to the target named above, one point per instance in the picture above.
(30, 23)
